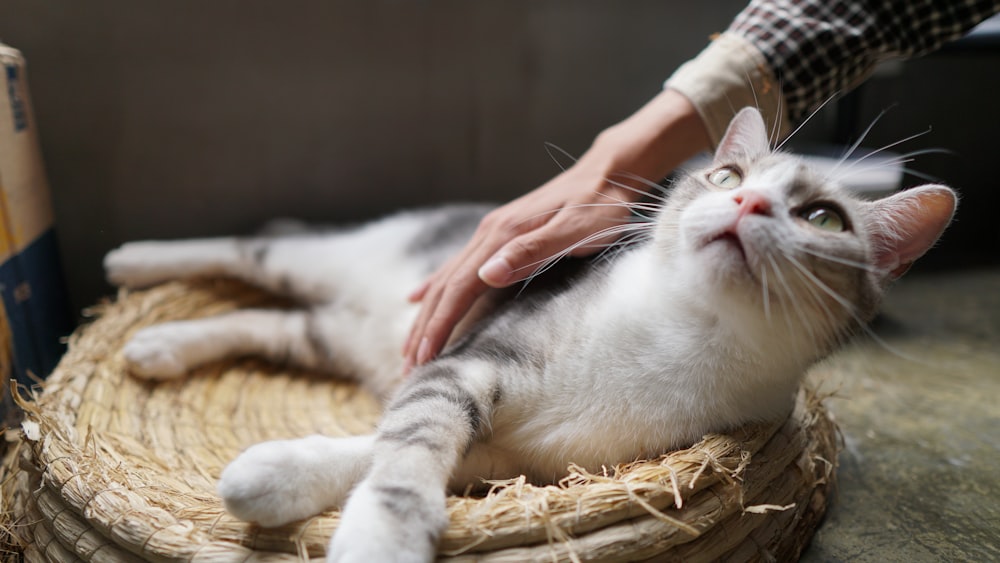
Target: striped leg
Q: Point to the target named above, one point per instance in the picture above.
(398, 511)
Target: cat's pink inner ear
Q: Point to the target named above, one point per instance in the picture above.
(908, 225)
(746, 136)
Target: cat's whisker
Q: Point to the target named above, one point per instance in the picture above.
(921, 175)
(905, 169)
(623, 241)
(880, 150)
(541, 266)
(804, 121)
(836, 259)
(541, 214)
(552, 147)
(631, 206)
(615, 203)
(791, 301)
(810, 283)
(855, 167)
(851, 172)
(929, 150)
(857, 143)
(772, 136)
(651, 207)
(772, 139)
(660, 197)
(859, 322)
(843, 301)
(765, 291)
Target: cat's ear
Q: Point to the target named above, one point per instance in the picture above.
(907, 224)
(746, 137)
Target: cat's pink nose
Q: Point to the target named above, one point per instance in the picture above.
(752, 203)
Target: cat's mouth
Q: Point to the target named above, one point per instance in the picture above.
(731, 256)
(732, 240)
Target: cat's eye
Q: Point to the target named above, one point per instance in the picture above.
(726, 177)
(826, 218)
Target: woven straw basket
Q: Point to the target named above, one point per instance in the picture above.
(111, 468)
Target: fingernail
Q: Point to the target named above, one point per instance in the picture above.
(424, 351)
(407, 367)
(496, 271)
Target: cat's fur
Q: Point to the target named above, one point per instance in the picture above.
(707, 323)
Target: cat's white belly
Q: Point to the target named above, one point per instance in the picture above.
(543, 443)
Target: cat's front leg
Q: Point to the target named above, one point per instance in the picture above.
(146, 263)
(273, 483)
(289, 266)
(398, 511)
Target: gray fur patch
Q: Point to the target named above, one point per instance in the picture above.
(454, 395)
(437, 372)
(253, 250)
(495, 350)
(444, 233)
(317, 340)
(450, 228)
(405, 504)
(417, 433)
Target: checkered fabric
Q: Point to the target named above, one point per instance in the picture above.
(817, 48)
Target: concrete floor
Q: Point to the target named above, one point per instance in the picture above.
(920, 413)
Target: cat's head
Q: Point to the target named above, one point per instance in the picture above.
(768, 236)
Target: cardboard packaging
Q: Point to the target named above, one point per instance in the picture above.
(35, 311)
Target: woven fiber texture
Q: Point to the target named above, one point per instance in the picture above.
(112, 468)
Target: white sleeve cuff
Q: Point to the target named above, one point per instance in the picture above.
(725, 77)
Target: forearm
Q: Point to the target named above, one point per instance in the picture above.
(649, 144)
(727, 76)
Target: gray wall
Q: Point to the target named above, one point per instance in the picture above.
(199, 118)
(196, 118)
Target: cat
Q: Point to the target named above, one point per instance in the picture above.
(751, 270)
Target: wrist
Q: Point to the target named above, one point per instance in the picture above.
(651, 142)
(730, 74)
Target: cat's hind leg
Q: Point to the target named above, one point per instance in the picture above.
(273, 483)
(170, 349)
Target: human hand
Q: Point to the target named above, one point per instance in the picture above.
(511, 243)
(563, 216)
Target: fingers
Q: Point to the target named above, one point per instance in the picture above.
(445, 298)
(418, 294)
(574, 231)
(524, 255)
(496, 258)
(450, 292)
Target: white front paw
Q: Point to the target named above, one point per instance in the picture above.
(133, 265)
(390, 524)
(156, 352)
(282, 481)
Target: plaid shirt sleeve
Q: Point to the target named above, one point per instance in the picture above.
(817, 48)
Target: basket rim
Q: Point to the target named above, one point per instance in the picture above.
(93, 480)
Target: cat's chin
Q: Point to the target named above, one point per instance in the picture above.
(725, 261)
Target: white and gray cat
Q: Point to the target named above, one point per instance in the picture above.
(752, 270)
